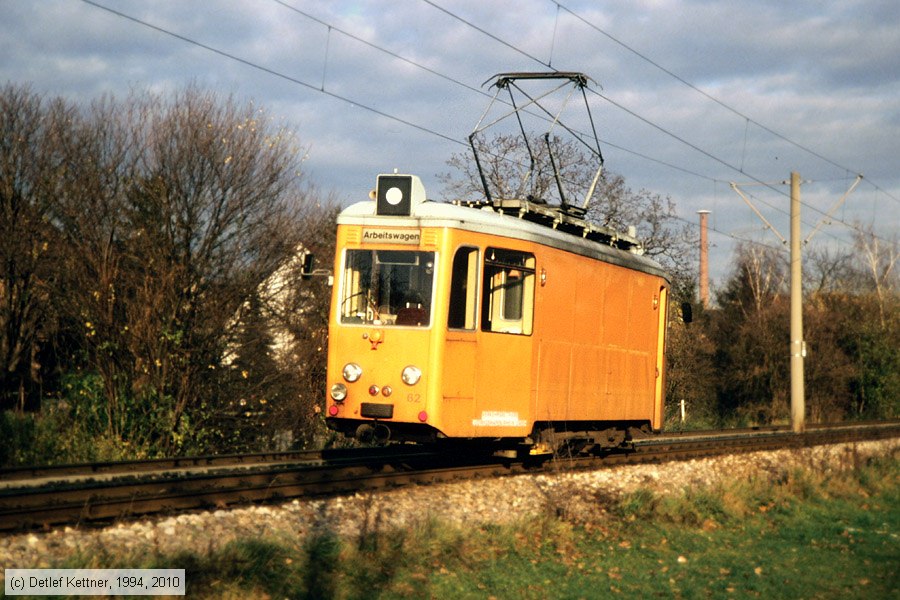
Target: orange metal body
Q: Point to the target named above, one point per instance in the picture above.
(595, 351)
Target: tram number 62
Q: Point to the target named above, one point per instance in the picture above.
(414, 398)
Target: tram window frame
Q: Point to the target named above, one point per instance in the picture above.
(463, 289)
(387, 287)
(507, 303)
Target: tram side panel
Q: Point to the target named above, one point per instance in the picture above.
(597, 342)
(583, 342)
(593, 353)
(630, 338)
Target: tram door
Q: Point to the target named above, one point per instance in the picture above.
(504, 353)
(487, 363)
(458, 379)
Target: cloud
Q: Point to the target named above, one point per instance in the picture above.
(811, 87)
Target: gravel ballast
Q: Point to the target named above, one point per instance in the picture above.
(580, 495)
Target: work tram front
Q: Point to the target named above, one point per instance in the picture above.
(502, 321)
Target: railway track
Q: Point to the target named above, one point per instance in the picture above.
(99, 493)
(35, 475)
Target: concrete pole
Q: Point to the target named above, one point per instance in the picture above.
(704, 259)
(798, 349)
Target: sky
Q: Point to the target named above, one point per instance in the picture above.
(687, 96)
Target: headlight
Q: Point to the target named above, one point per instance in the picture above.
(352, 372)
(338, 392)
(411, 375)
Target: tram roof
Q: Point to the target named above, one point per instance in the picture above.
(518, 219)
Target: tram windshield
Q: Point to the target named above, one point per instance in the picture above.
(387, 287)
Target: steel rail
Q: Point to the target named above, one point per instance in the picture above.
(144, 465)
(88, 499)
(43, 474)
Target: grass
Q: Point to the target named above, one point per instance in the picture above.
(811, 533)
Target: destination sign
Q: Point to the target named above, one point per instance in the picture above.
(383, 235)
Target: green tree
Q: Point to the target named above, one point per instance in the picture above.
(690, 372)
(750, 333)
(872, 335)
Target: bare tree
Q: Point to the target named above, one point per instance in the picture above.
(510, 174)
(217, 216)
(879, 259)
(176, 212)
(760, 277)
(827, 270)
(664, 236)
(296, 306)
(90, 212)
(31, 133)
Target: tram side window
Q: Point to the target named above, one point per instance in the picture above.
(508, 301)
(463, 289)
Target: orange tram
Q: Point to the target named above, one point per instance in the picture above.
(507, 322)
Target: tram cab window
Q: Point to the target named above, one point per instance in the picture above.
(508, 302)
(463, 289)
(387, 287)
